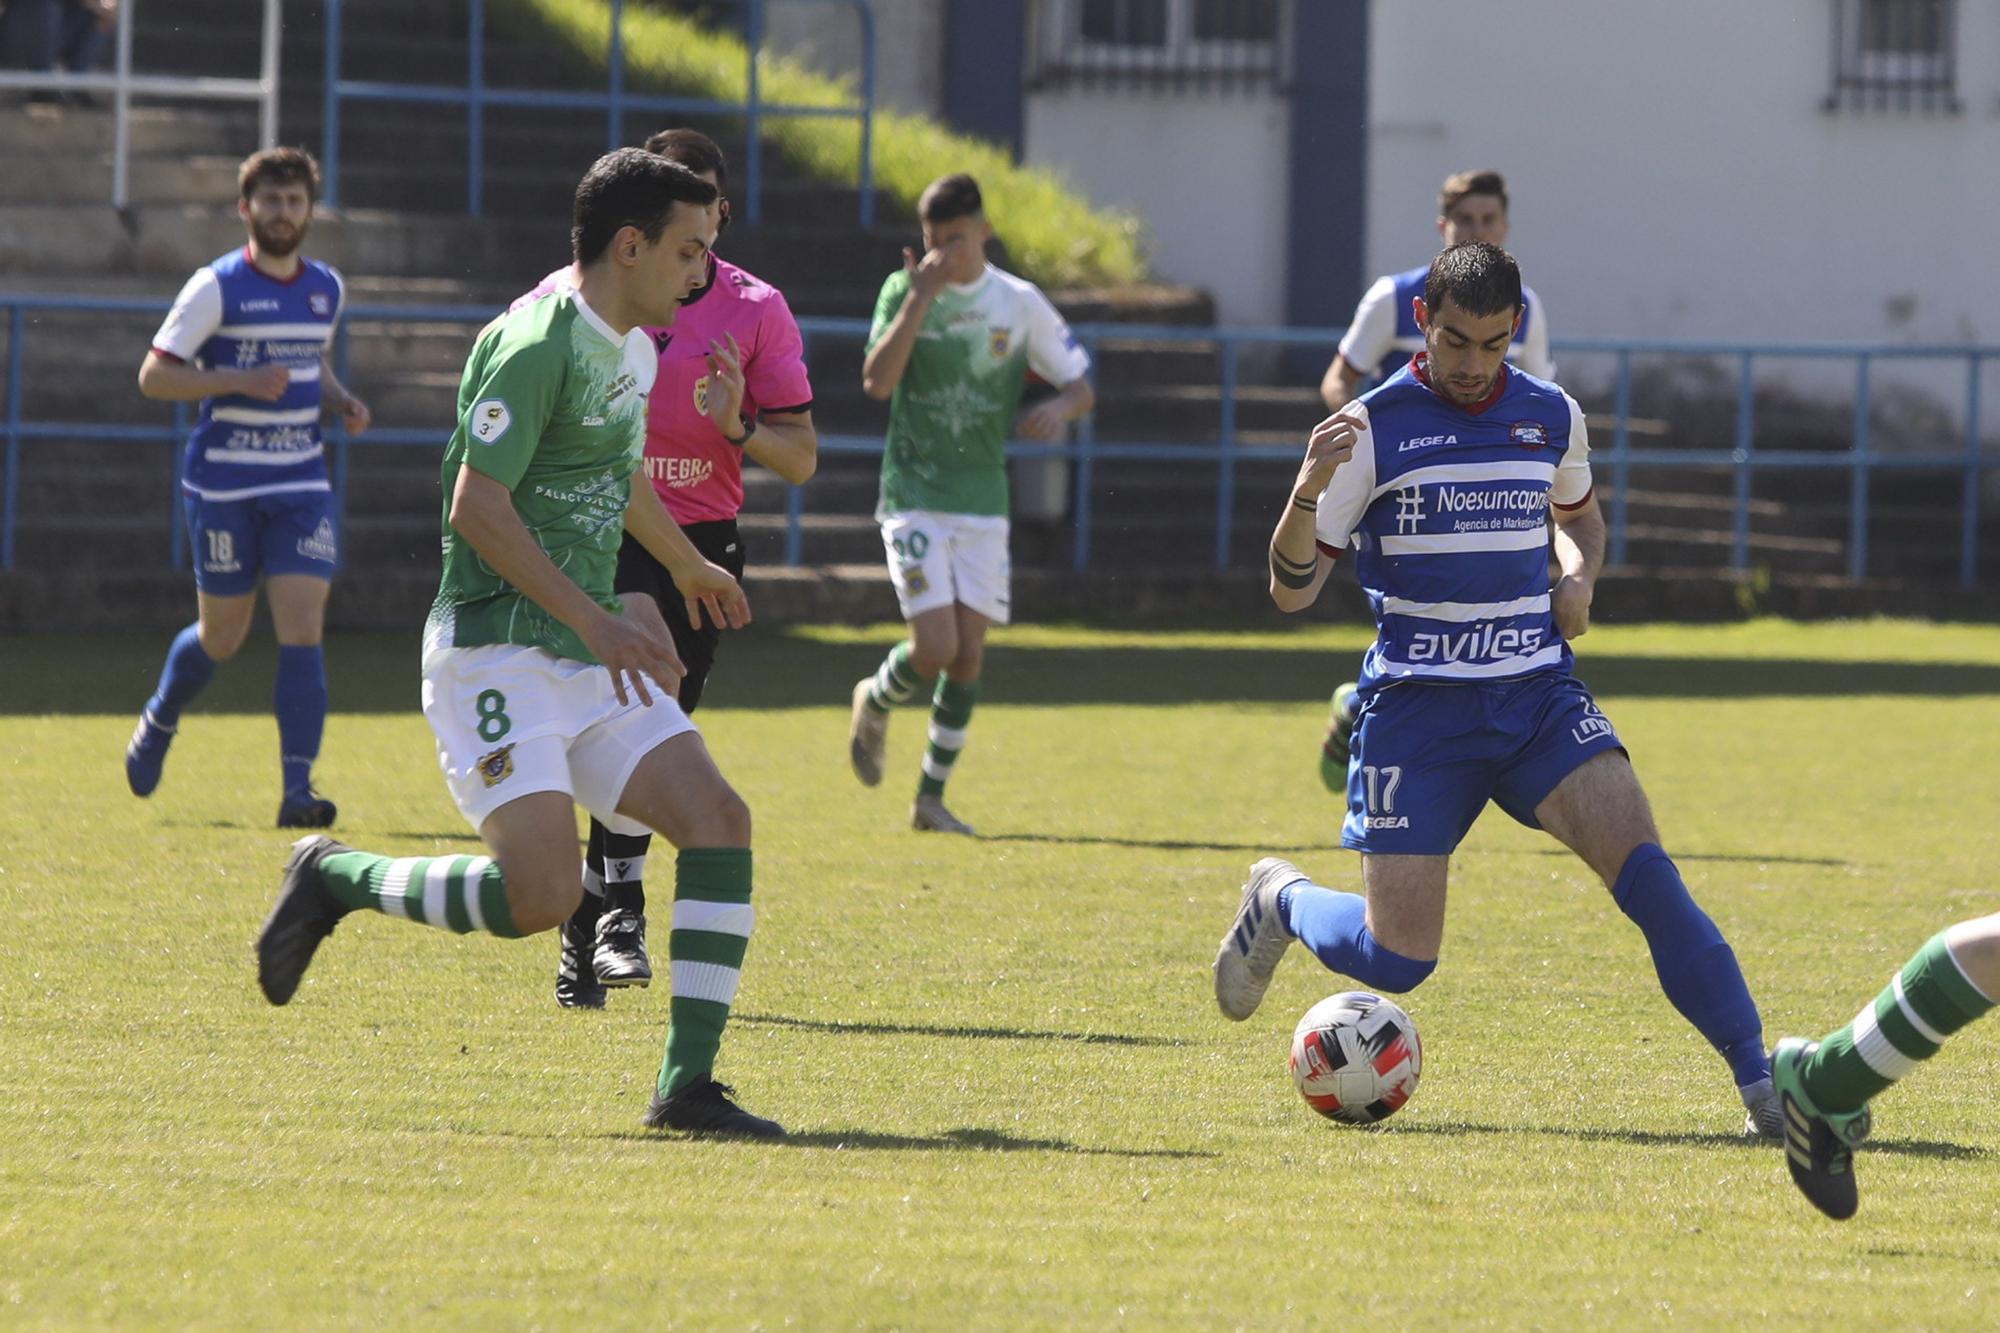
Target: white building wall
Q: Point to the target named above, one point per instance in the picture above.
(1674, 175)
(1206, 175)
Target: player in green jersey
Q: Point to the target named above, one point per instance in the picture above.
(950, 348)
(545, 688)
(1825, 1085)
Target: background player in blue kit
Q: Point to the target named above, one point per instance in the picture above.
(1442, 481)
(249, 336)
(1472, 206)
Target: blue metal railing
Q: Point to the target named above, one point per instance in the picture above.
(475, 95)
(1859, 460)
(1227, 452)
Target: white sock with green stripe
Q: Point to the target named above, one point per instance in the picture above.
(457, 893)
(896, 681)
(951, 713)
(1927, 1001)
(712, 922)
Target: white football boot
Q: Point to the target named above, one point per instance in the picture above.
(867, 735)
(928, 815)
(1257, 939)
(1764, 1116)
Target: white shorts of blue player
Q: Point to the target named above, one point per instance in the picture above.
(1467, 696)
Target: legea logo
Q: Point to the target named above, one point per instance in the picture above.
(1425, 442)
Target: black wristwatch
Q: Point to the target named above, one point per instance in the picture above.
(749, 429)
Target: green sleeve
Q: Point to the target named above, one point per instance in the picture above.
(887, 304)
(505, 401)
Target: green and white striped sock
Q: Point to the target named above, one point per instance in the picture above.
(712, 921)
(896, 681)
(951, 711)
(1927, 1001)
(458, 893)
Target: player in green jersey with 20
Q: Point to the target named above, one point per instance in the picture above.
(950, 348)
(545, 688)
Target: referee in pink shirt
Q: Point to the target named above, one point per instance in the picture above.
(732, 381)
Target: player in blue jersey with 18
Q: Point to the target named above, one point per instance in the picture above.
(1443, 481)
(249, 337)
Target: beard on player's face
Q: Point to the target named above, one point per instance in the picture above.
(1464, 353)
(277, 237)
(1464, 392)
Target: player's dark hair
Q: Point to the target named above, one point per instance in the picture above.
(1461, 184)
(693, 150)
(1478, 278)
(950, 197)
(630, 187)
(278, 166)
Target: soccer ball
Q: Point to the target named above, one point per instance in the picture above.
(1356, 1057)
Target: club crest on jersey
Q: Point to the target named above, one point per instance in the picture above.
(1530, 433)
(321, 303)
(497, 767)
(701, 395)
(998, 342)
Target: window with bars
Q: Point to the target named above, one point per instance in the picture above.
(1895, 55)
(1203, 45)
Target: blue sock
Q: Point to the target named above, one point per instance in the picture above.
(1697, 968)
(299, 700)
(188, 669)
(1335, 927)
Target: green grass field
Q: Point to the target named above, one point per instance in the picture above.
(1013, 1101)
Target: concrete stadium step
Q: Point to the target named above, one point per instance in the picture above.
(167, 239)
(157, 178)
(82, 132)
(404, 52)
(1687, 544)
(90, 541)
(1168, 411)
(824, 538)
(122, 480)
(1124, 365)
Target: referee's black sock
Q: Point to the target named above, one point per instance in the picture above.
(583, 921)
(624, 871)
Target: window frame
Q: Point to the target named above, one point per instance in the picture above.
(1063, 55)
(1870, 78)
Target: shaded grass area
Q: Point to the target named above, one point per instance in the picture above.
(1014, 1104)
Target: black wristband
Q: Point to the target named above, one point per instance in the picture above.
(1310, 506)
(749, 429)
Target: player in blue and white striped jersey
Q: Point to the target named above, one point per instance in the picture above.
(249, 336)
(1472, 206)
(1442, 481)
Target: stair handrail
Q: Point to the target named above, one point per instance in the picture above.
(1085, 451)
(124, 86)
(475, 95)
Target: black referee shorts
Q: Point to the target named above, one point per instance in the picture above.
(638, 571)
